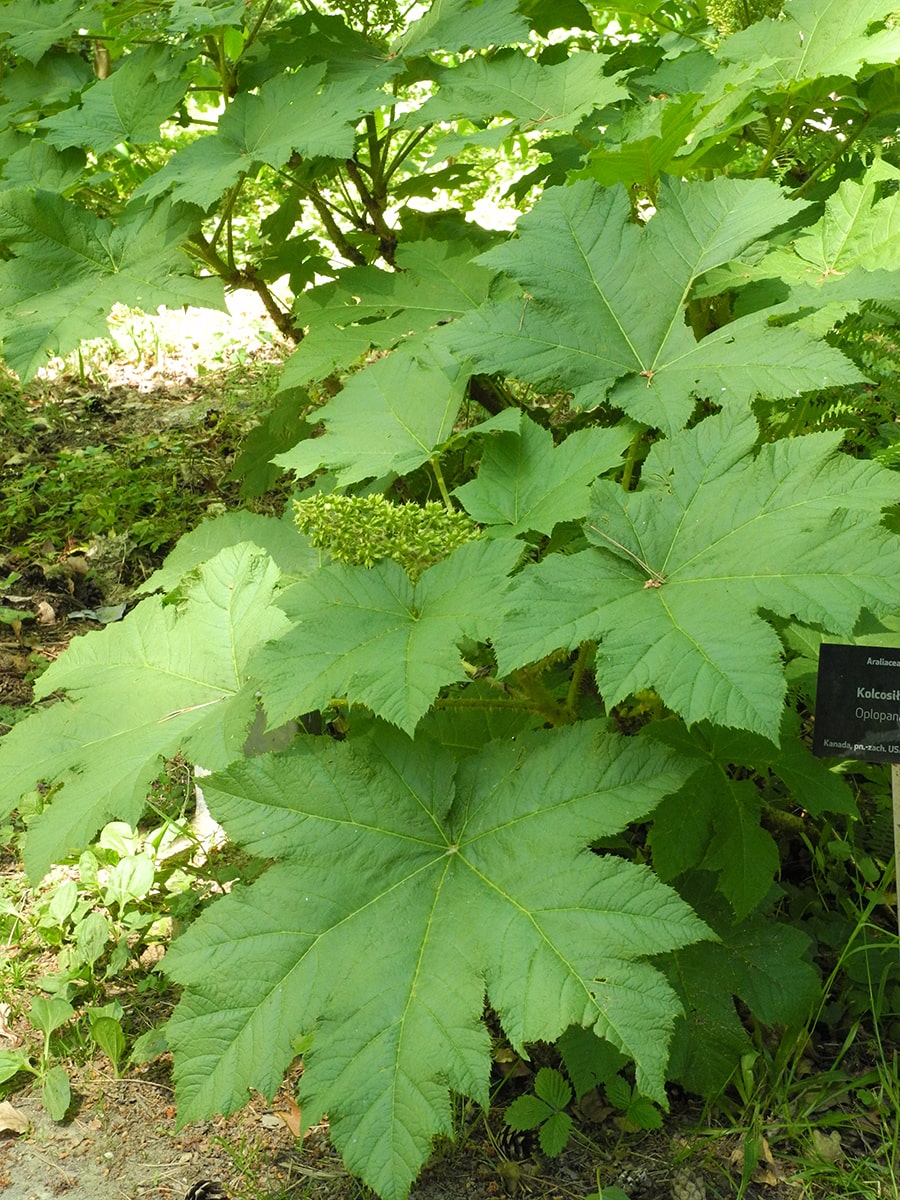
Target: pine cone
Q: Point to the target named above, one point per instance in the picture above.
(687, 1186)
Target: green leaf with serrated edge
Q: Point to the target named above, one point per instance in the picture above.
(551, 1086)
(282, 541)
(813, 38)
(389, 418)
(856, 229)
(555, 1133)
(463, 25)
(603, 303)
(645, 144)
(57, 80)
(373, 636)
(723, 833)
(282, 427)
(294, 112)
(724, 532)
(72, 267)
(526, 483)
(367, 308)
(545, 99)
(167, 677)
(589, 1060)
(383, 833)
(720, 818)
(190, 16)
(544, 15)
(526, 1112)
(128, 106)
(38, 165)
(33, 27)
(760, 961)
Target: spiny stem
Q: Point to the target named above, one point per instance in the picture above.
(584, 652)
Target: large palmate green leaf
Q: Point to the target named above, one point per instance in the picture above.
(817, 38)
(373, 636)
(389, 418)
(551, 98)
(367, 308)
(407, 888)
(33, 27)
(296, 111)
(850, 254)
(714, 820)
(463, 25)
(525, 483)
(282, 541)
(761, 962)
(129, 106)
(643, 143)
(810, 40)
(683, 566)
(37, 165)
(602, 307)
(168, 677)
(72, 267)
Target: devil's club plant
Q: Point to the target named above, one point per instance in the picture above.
(596, 399)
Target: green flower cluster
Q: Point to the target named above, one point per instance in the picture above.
(363, 529)
(729, 16)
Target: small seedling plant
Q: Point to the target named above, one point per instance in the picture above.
(542, 744)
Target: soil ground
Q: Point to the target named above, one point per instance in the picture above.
(120, 1140)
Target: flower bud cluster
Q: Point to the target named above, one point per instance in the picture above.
(363, 529)
(729, 16)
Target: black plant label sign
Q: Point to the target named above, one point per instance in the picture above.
(858, 703)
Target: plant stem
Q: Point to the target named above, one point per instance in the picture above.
(584, 652)
(442, 486)
(631, 460)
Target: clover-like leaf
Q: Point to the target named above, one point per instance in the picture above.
(373, 636)
(406, 891)
(602, 307)
(684, 565)
(167, 677)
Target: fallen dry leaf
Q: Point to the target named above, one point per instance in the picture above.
(11, 1119)
(46, 614)
(292, 1116)
(5, 1031)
